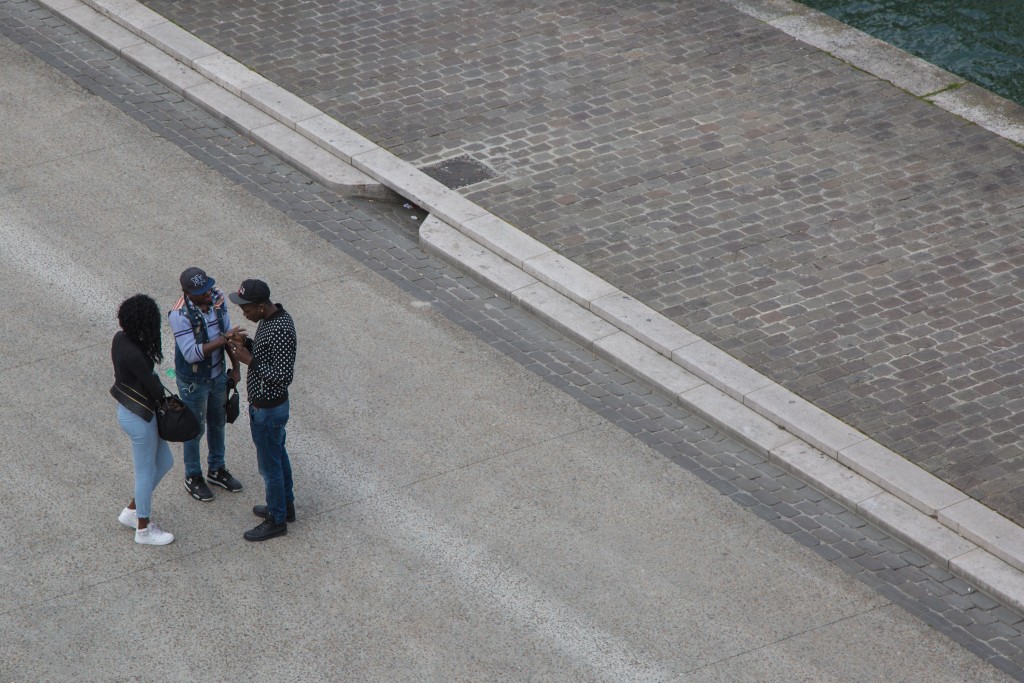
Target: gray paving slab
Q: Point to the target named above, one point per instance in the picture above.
(936, 540)
(279, 103)
(760, 434)
(810, 464)
(877, 57)
(771, 498)
(312, 159)
(563, 314)
(93, 24)
(720, 369)
(178, 42)
(227, 73)
(642, 323)
(127, 13)
(245, 117)
(990, 111)
(915, 486)
(487, 267)
(496, 235)
(330, 134)
(803, 419)
(648, 365)
(170, 71)
(990, 531)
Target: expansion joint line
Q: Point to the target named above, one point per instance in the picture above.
(787, 638)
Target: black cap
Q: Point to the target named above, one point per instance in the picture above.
(195, 281)
(251, 292)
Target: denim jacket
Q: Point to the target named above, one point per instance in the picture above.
(194, 372)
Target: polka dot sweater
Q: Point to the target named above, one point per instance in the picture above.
(273, 360)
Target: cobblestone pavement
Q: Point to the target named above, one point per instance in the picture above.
(380, 239)
(846, 239)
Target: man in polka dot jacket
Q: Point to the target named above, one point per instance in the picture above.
(270, 355)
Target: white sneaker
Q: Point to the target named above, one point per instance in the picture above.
(129, 518)
(153, 535)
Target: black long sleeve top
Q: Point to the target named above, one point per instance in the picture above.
(273, 360)
(135, 385)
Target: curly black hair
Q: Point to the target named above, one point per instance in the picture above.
(140, 319)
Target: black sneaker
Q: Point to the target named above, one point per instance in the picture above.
(265, 530)
(223, 479)
(289, 512)
(198, 489)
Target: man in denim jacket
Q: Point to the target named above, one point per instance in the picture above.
(199, 321)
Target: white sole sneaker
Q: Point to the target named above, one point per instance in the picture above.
(153, 535)
(129, 517)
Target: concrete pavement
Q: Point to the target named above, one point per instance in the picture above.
(39, 259)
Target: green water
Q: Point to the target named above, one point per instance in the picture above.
(980, 40)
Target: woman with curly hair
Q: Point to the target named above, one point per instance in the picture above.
(135, 350)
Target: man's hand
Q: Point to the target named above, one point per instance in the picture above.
(240, 353)
(235, 334)
(235, 374)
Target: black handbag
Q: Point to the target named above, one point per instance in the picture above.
(231, 406)
(174, 420)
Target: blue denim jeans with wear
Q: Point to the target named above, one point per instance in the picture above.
(151, 457)
(268, 433)
(206, 399)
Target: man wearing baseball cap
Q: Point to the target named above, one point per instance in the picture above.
(200, 323)
(270, 355)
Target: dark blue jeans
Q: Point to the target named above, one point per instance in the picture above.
(268, 433)
(206, 399)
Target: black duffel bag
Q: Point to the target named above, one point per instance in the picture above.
(174, 420)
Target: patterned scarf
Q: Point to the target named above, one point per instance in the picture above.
(219, 300)
(193, 312)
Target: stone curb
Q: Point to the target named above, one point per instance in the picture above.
(878, 58)
(905, 500)
(256, 107)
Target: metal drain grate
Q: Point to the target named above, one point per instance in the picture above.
(459, 172)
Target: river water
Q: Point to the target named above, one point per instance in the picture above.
(979, 40)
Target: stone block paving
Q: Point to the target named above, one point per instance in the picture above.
(853, 243)
(381, 239)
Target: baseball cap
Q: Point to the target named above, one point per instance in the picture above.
(195, 281)
(251, 292)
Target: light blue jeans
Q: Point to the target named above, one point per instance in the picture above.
(151, 457)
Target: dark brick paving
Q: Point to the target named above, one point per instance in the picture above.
(853, 243)
(380, 238)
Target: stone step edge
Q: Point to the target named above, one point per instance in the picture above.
(958, 535)
(880, 59)
(258, 109)
(567, 296)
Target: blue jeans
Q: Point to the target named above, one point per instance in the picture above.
(268, 434)
(150, 455)
(206, 399)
